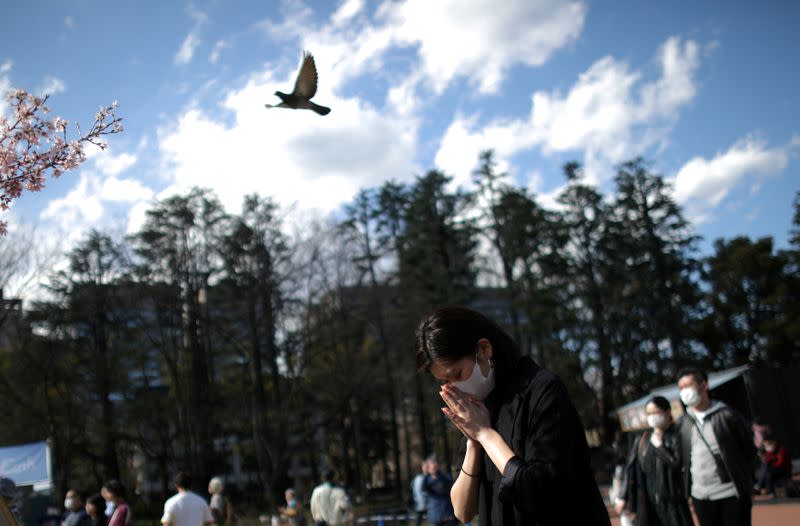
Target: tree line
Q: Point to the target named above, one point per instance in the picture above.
(207, 328)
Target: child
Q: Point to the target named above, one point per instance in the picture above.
(776, 468)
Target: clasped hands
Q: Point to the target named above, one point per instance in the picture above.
(468, 414)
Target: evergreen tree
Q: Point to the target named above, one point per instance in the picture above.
(178, 245)
(256, 255)
(362, 227)
(595, 277)
(436, 264)
(94, 311)
(746, 320)
(657, 247)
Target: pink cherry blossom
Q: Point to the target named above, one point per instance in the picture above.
(33, 148)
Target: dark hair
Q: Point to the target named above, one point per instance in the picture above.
(329, 475)
(452, 332)
(699, 374)
(661, 403)
(78, 493)
(98, 502)
(115, 487)
(183, 480)
(768, 435)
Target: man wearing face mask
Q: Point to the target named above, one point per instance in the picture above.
(74, 510)
(717, 454)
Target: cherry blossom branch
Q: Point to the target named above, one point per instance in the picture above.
(33, 147)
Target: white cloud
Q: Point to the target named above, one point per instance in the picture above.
(701, 184)
(124, 190)
(344, 54)
(402, 98)
(113, 165)
(186, 52)
(216, 51)
(5, 85)
(482, 40)
(96, 196)
(460, 146)
(293, 156)
(609, 115)
(51, 86)
(535, 182)
(454, 39)
(347, 11)
(192, 40)
(296, 21)
(549, 200)
(137, 216)
(81, 207)
(677, 84)
(69, 22)
(93, 202)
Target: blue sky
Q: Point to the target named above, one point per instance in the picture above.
(706, 90)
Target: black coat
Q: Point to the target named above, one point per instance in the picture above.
(735, 446)
(654, 485)
(549, 481)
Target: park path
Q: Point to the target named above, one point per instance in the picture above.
(784, 512)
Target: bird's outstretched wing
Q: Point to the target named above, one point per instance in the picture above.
(306, 84)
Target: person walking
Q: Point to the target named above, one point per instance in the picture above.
(437, 486)
(526, 460)
(329, 503)
(95, 508)
(221, 508)
(654, 484)
(109, 510)
(74, 510)
(186, 508)
(115, 494)
(292, 513)
(717, 455)
(418, 493)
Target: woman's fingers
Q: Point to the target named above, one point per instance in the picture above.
(453, 417)
(452, 401)
(456, 421)
(457, 394)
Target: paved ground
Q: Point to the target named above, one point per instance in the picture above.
(780, 512)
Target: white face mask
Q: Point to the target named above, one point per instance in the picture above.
(659, 421)
(68, 503)
(690, 396)
(769, 449)
(477, 385)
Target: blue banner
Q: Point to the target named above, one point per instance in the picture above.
(27, 464)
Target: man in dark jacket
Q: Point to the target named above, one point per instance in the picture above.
(437, 486)
(717, 455)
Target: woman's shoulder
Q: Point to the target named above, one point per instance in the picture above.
(536, 386)
(536, 379)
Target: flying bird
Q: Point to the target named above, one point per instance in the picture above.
(304, 88)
